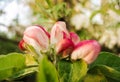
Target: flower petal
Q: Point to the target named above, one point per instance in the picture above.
(44, 30)
(58, 31)
(35, 35)
(75, 38)
(65, 46)
(33, 43)
(21, 45)
(88, 50)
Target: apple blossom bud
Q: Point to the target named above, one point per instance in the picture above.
(65, 46)
(58, 31)
(44, 30)
(87, 50)
(21, 45)
(75, 38)
(37, 37)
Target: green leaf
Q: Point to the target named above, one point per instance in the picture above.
(108, 59)
(10, 64)
(25, 72)
(109, 72)
(64, 68)
(109, 65)
(111, 80)
(49, 2)
(60, 11)
(47, 71)
(30, 60)
(44, 11)
(103, 72)
(95, 77)
(72, 71)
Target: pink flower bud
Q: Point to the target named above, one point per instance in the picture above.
(87, 50)
(21, 45)
(44, 30)
(58, 32)
(37, 37)
(65, 46)
(75, 38)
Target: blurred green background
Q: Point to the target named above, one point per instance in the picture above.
(91, 19)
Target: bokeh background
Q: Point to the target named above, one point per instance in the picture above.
(90, 19)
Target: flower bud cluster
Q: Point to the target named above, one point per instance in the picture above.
(66, 44)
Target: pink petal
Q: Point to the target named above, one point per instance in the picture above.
(44, 30)
(75, 38)
(58, 31)
(64, 46)
(88, 50)
(37, 35)
(33, 43)
(21, 45)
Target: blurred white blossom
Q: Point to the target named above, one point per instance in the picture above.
(17, 15)
(79, 21)
(14, 9)
(108, 38)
